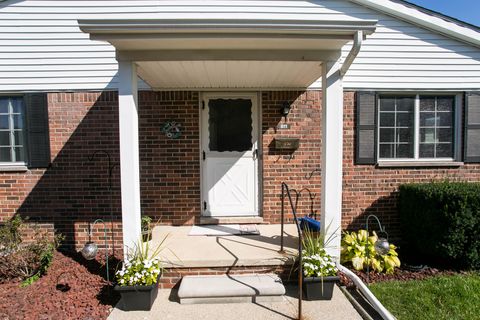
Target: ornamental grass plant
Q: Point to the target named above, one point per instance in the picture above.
(142, 265)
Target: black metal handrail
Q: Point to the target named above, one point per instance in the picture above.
(286, 191)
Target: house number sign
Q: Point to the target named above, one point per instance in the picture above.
(172, 129)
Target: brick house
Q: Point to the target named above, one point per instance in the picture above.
(186, 98)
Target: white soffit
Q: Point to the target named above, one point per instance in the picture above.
(227, 53)
(172, 75)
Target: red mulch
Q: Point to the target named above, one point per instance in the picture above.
(73, 288)
(399, 274)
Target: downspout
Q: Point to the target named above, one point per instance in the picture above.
(357, 44)
(377, 305)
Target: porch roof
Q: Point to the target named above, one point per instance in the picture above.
(226, 53)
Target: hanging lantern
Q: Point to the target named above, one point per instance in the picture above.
(382, 246)
(90, 250)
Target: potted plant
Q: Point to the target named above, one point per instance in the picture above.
(319, 271)
(146, 228)
(138, 278)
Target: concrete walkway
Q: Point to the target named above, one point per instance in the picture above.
(167, 307)
(220, 251)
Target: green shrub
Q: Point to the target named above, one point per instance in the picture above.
(356, 245)
(441, 222)
(26, 261)
(10, 236)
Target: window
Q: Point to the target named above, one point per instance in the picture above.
(230, 125)
(12, 132)
(416, 127)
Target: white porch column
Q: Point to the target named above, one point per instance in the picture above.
(129, 154)
(332, 154)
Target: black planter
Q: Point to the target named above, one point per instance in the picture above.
(138, 297)
(317, 289)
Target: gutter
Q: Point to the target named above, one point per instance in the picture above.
(357, 45)
(377, 305)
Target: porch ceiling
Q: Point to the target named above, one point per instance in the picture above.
(228, 74)
(221, 53)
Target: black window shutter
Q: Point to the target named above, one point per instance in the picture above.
(472, 127)
(36, 106)
(365, 144)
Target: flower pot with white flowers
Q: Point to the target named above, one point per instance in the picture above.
(319, 271)
(137, 281)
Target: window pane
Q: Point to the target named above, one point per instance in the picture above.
(3, 105)
(444, 135)
(387, 119)
(4, 122)
(18, 138)
(387, 151)
(17, 105)
(405, 151)
(427, 119)
(387, 104)
(18, 121)
(230, 125)
(445, 119)
(444, 150)
(426, 150)
(427, 135)
(387, 135)
(5, 154)
(405, 104)
(4, 138)
(19, 154)
(404, 119)
(427, 103)
(445, 103)
(405, 135)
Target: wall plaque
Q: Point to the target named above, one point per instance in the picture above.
(287, 143)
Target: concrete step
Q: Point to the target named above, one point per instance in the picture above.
(231, 289)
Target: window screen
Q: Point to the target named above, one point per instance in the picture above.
(436, 126)
(230, 125)
(396, 130)
(11, 129)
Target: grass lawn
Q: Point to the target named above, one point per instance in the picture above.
(441, 297)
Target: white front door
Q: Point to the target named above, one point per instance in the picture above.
(230, 155)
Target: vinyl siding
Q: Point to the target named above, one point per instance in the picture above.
(42, 48)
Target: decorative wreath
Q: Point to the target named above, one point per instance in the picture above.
(172, 129)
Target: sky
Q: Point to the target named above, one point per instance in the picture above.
(465, 10)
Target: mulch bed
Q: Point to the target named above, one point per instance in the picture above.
(400, 274)
(73, 288)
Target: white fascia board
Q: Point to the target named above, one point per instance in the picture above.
(413, 15)
(175, 26)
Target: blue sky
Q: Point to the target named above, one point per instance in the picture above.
(465, 10)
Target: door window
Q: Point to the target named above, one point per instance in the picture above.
(230, 125)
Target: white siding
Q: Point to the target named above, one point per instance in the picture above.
(42, 48)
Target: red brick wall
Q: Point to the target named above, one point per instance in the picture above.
(293, 168)
(368, 189)
(170, 168)
(74, 191)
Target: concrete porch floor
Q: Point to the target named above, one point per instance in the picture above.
(167, 307)
(186, 251)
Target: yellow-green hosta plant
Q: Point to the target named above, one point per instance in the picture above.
(354, 251)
